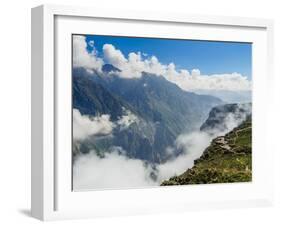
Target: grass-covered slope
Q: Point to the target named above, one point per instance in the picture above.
(227, 159)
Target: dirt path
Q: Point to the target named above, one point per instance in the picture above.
(238, 131)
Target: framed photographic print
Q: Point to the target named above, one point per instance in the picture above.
(138, 113)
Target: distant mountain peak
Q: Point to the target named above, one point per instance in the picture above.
(107, 68)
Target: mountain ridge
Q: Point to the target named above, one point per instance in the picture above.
(227, 159)
(163, 110)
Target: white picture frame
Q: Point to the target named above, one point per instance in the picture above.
(52, 197)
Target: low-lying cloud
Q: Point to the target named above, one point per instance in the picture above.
(193, 145)
(85, 126)
(115, 170)
(127, 119)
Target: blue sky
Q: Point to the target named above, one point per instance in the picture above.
(208, 56)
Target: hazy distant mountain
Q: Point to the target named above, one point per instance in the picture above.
(162, 109)
(228, 96)
(220, 117)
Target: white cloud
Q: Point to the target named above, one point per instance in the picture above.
(195, 72)
(83, 58)
(230, 82)
(116, 171)
(114, 56)
(136, 63)
(130, 68)
(153, 66)
(113, 171)
(84, 126)
(193, 145)
(127, 119)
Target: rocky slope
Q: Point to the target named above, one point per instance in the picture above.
(223, 116)
(227, 159)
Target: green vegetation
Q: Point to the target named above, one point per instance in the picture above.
(228, 159)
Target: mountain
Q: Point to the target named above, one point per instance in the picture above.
(109, 68)
(229, 96)
(157, 100)
(93, 99)
(223, 116)
(162, 109)
(227, 159)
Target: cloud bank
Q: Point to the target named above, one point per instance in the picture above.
(116, 170)
(84, 126)
(83, 58)
(112, 171)
(133, 65)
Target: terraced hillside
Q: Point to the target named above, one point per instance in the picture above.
(228, 159)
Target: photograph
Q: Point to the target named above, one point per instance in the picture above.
(150, 112)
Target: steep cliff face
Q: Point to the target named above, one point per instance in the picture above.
(227, 159)
(222, 116)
